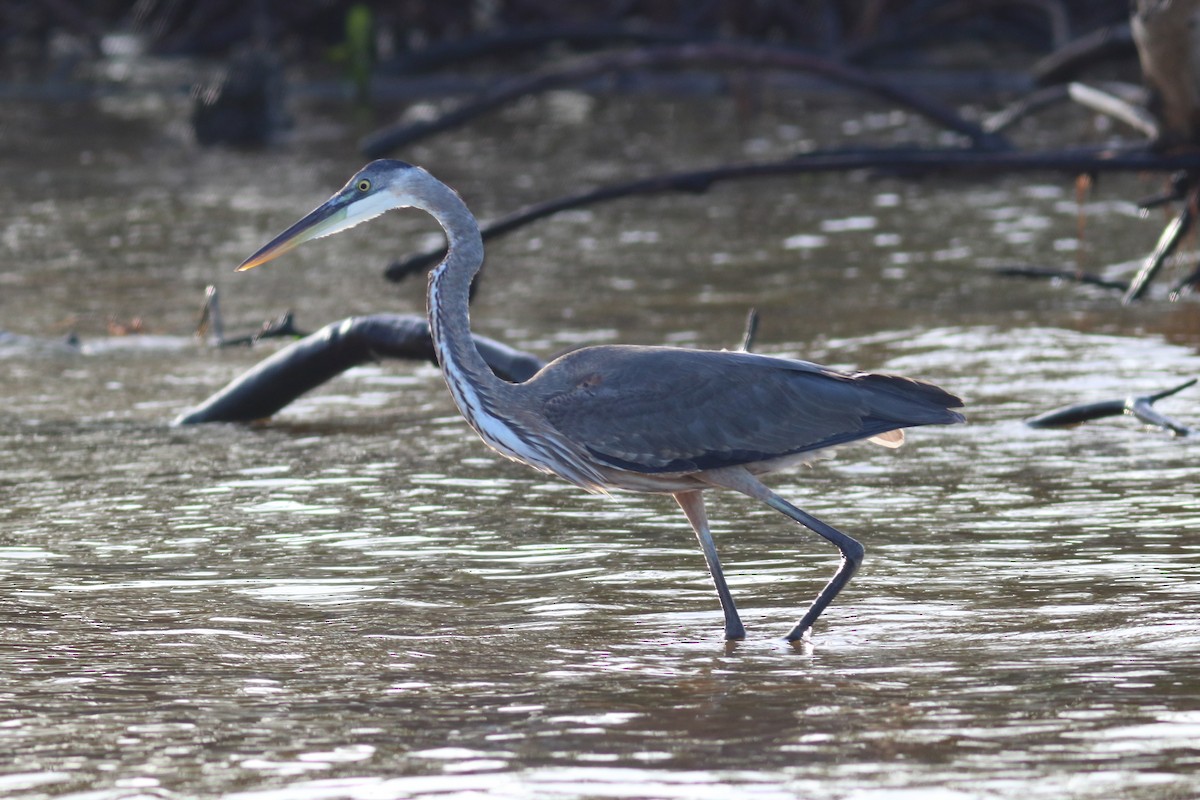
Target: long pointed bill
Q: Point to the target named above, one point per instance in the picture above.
(353, 204)
(327, 218)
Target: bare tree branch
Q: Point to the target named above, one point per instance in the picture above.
(725, 54)
(902, 161)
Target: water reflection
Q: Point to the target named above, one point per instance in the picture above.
(357, 601)
(350, 612)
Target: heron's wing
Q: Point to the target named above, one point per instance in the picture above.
(677, 410)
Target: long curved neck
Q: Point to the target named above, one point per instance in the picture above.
(493, 408)
(476, 389)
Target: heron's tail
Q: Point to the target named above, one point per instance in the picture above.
(908, 402)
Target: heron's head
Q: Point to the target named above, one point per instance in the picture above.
(374, 189)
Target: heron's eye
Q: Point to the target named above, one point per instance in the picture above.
(364, 185)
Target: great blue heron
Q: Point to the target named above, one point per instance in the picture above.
(646, 419)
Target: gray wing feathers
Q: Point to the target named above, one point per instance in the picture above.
(677, 410)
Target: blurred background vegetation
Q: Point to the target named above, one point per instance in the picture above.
(415, 35)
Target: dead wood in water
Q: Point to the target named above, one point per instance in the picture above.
(1067, 62)
(1066, 275)
(907, 162)
(1140, 407)
(1168, 242)
(305, 364)
(727, 54)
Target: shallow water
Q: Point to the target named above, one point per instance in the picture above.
(358, 600)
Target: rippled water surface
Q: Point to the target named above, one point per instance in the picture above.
(357, 600)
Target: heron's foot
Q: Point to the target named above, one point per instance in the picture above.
(801, 634)
(803, 645)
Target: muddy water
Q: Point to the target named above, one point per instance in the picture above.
(358, 600)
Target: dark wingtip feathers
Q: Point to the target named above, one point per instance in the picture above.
(910, 402)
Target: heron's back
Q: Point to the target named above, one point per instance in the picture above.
(674, 410)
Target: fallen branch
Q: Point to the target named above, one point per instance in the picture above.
(304, 365)
(313, 360)
(1117, 98)
(1189, 281)
(1116, 107)
(1168, 242)
(212, 321)
(751, 332)
(726, 54)
(1141, 407)
(902, 161)
(1069, 275)
(1075, 56)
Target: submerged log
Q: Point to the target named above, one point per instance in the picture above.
(1140, 407)
(728, 54)
(1067, 275)
(313, 360)
(1168, 242)
(281, 378)
(1074, 57)
(905, 161)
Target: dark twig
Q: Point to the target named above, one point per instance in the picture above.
(751, 332)
(210, 317)
(1177, 189)
(1122, 101)
(1058, 19)
(1191, 280)
(282, 326)
(1069, 416)
(1100, 45)
(305, 364)
(211, 320)
(1025, 106)
(309, 362)
(1070, 275)
(1116, 107)
(726, 54)
(902, 161)
(1168, 242)
(1141, 407)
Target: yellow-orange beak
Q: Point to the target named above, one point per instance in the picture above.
(328, 218)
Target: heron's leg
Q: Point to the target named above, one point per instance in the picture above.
(692, 503)
(852, 551)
